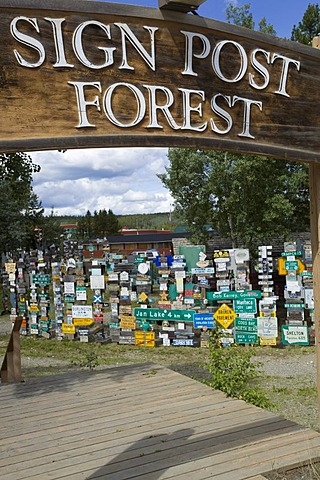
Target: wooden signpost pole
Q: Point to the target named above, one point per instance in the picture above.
(314, 188)
(314, 185)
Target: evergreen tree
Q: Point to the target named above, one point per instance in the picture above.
(243, 17)
(113, 224)
(309, 27)
(20, 207)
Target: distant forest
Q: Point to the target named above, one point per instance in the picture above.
(159, 221)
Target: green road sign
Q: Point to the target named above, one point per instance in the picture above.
(297, 306)
(294, 265)
(246, 330)
(234, 295)
(41, 279)
(246, 325)
(245, 305)
(163, 314)
(246, 338)
(297, 253)
(307, 274)
(139, 260)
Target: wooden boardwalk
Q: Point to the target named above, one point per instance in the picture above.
(143, 422)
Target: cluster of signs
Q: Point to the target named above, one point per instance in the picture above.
(243, 315)
(296, 265)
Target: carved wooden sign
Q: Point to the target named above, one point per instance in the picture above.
(93, 74)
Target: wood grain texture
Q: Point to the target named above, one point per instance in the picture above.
(38, 107)
(141, 421)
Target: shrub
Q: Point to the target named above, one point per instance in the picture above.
(234, 373)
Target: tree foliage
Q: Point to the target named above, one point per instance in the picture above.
(20, 206)
(243, 17)
(246, 198)
(100, 224)
(309, 27)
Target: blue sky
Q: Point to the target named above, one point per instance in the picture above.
(125, 180)
(282, 14)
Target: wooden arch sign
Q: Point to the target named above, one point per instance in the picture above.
(92, 74)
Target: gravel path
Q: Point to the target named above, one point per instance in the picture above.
(290, 366)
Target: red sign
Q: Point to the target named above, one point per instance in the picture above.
(98, 317)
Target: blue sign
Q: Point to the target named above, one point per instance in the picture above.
(97, 298)
(201, 320)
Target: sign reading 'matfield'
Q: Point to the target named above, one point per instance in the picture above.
(85, 73)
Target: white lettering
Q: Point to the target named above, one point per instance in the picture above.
(188, 70)
(154, 107)
(246, 114)
(221, 113)
(58, 42)
(78, 47)
(108, 109)
(82, 102)
(216, 61)
(260, 69)
(27, 40)
(187, 109)
(285, 70)
(126, 32)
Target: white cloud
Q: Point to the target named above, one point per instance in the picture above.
(124, 180)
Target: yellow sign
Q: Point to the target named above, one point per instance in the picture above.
(225, 315)
(164, 296)
(34, 308)
(268, 341)
(82, 321)
(68, 329)
(283, 271)
(143, 297)
(10, 267)
(127, 323)
(145, 339)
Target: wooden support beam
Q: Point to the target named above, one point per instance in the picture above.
(11, 365)
(314, 186)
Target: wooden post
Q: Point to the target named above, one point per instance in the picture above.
(314, 186)
(11, 366)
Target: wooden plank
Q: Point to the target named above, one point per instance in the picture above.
(119, 460)
(191, 461)
(75, 450)
(97, 435)
(166, 435)
(123, 424)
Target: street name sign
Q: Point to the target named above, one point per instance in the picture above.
(163, 314)
(232, 295)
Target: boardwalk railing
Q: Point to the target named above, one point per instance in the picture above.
(11, 365)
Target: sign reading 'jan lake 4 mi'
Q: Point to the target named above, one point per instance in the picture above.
(81, 74)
